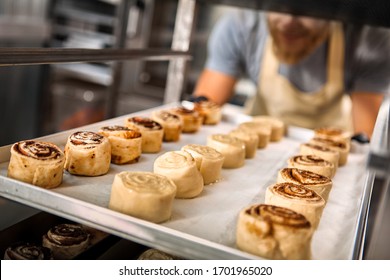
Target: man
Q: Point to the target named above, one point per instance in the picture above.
(307, 70)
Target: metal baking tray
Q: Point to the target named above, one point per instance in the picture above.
(203, 227)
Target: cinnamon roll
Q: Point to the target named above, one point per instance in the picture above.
(263, 131)
(181, 168)
(316, 182)
(152, 133)
(27, 251)
(232, 148)
(210, 111)
(38, 163)
(208, 160)
(313, 163)
(87, 153)
(274, 232)
(144, 195)
(192, 120)
(321, 151)
(341, 146)
(171, 123)
(278, 127)
(66, 241)
(251, 141)
(298, 198)
(125, 143)
(333, 133)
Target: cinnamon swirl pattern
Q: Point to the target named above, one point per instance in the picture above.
(181, 168)
(38, 163)
(320, 184)
(171, 123)
(274, 232)
(66, 241)
(314, 164)
(298, 198)
(144, 195)
(333, 133)
(321, 151)
(87, 153)
(126, 143)
(208, 160)
(341, 146)
(152, 133)
(27, 251)
(192, 120)
(232, 148)
(209, 110)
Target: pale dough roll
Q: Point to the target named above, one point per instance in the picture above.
(126, 143)
(250, 140)
(341, 146)
(274, 232)
(278, 127)
(38, 163)
(66, 241)
(232, 148)
(87, 153)
(192, 120)
(181, 168)
(298, 198)
(333, 133)
(208, 160)
(314, 164)
(209, 110)
(321, 151)
(171, 123)
(262, 129)
(320, 184)
(144, 195)
(152, 133)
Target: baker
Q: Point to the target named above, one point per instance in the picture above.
(309, 72)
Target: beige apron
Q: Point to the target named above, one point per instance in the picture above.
(329, 106)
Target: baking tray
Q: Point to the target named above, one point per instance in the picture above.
(203, 227)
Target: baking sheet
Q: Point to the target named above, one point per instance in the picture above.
(203, 227)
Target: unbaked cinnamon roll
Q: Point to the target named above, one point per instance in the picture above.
(321, 151)
(278, 127)
(192, 120)
(251, 141)
(181, 168)
(232, 148)
(333, 133)
(314, 164)
(36, 162)
(320, 184)
(208, 160)
(66, 241)
(341, 146)
(27, 251)
(298, 198)
(274, 232)
(87, 154)
(144, 195)
(125, 143)
(210, 111)
(152, 133)
(171, 123)
(262, 129)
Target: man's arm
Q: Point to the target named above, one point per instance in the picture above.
(216, 86)
(365, 107)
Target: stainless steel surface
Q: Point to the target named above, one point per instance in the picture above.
(181, 41)
(187, 234)
(29, 56)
